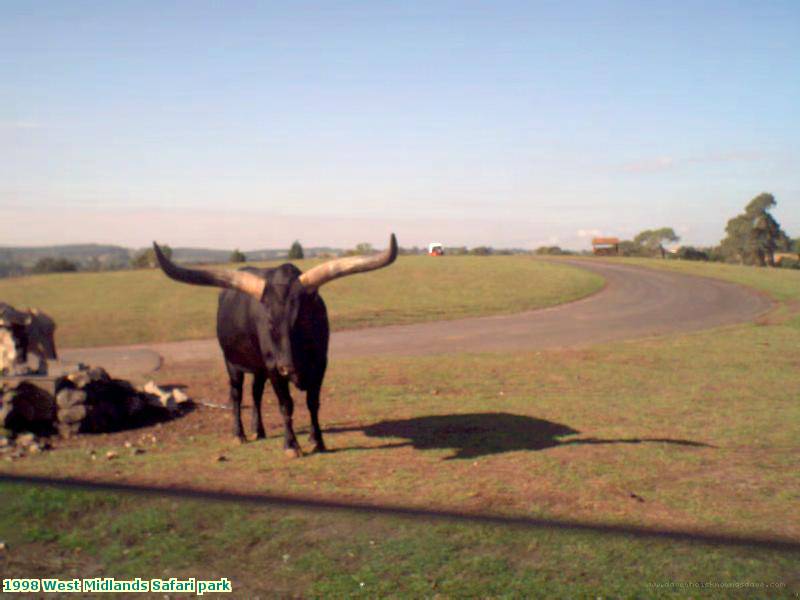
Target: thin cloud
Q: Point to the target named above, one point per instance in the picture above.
(664, 163)
(22, 124)
(650, 165)
(586, 233)
(553, 240)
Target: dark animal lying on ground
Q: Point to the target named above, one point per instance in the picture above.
(273, 323)
(26, 331)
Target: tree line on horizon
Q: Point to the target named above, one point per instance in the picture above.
(753, 237)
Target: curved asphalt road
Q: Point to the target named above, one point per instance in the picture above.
(635, 302)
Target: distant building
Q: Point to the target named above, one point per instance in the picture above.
(778, 257)
(605, 246)
(435, 249)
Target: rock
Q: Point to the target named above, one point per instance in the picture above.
(137, 451)
(3, 547)
(25, 439)
(111, 455)
(80, 379)
(27, 407)
(180, 396)
(151, 388)
(74, 414)
(4, 442)
(67, 430)
(69, 397)
(98, 374)
(9, 350)
(161, 398)
(35, 448)
(222, 458)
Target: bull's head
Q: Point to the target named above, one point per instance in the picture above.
(280, 290)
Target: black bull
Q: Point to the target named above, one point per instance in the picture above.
(273, 323)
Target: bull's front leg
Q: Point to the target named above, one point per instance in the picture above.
(312, 400)
(290, 445)
(259, 379)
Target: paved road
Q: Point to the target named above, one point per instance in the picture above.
(635, 302)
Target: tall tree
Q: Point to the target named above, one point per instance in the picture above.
(296, 251)
(147, 257)
(49, 264)
(754, 236)
(653, 240)
(237, 256)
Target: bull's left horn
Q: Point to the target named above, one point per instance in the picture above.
(340, 267)
(238, 280)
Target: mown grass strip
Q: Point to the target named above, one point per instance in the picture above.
(93, 309)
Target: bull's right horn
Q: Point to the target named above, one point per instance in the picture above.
(238, 280)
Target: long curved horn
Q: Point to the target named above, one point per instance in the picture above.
(238, 280)
(333, 269)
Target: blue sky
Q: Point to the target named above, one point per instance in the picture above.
(252, 124)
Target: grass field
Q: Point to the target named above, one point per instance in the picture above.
(695, 432)
(276, 553)
(94, 309)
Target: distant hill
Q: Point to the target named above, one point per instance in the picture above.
(107, 256)
(19, 260)
(210, 255)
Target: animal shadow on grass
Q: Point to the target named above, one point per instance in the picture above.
(480, 434)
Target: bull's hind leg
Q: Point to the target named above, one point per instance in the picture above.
(312, 400)
(259, 379)
(236, 378)
(290, 445)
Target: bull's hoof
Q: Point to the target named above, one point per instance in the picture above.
(260, 435)
(319, 448)
(239, 439)
(293, 452)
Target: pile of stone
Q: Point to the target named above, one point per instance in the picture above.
(85, 400)
(22, 445)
